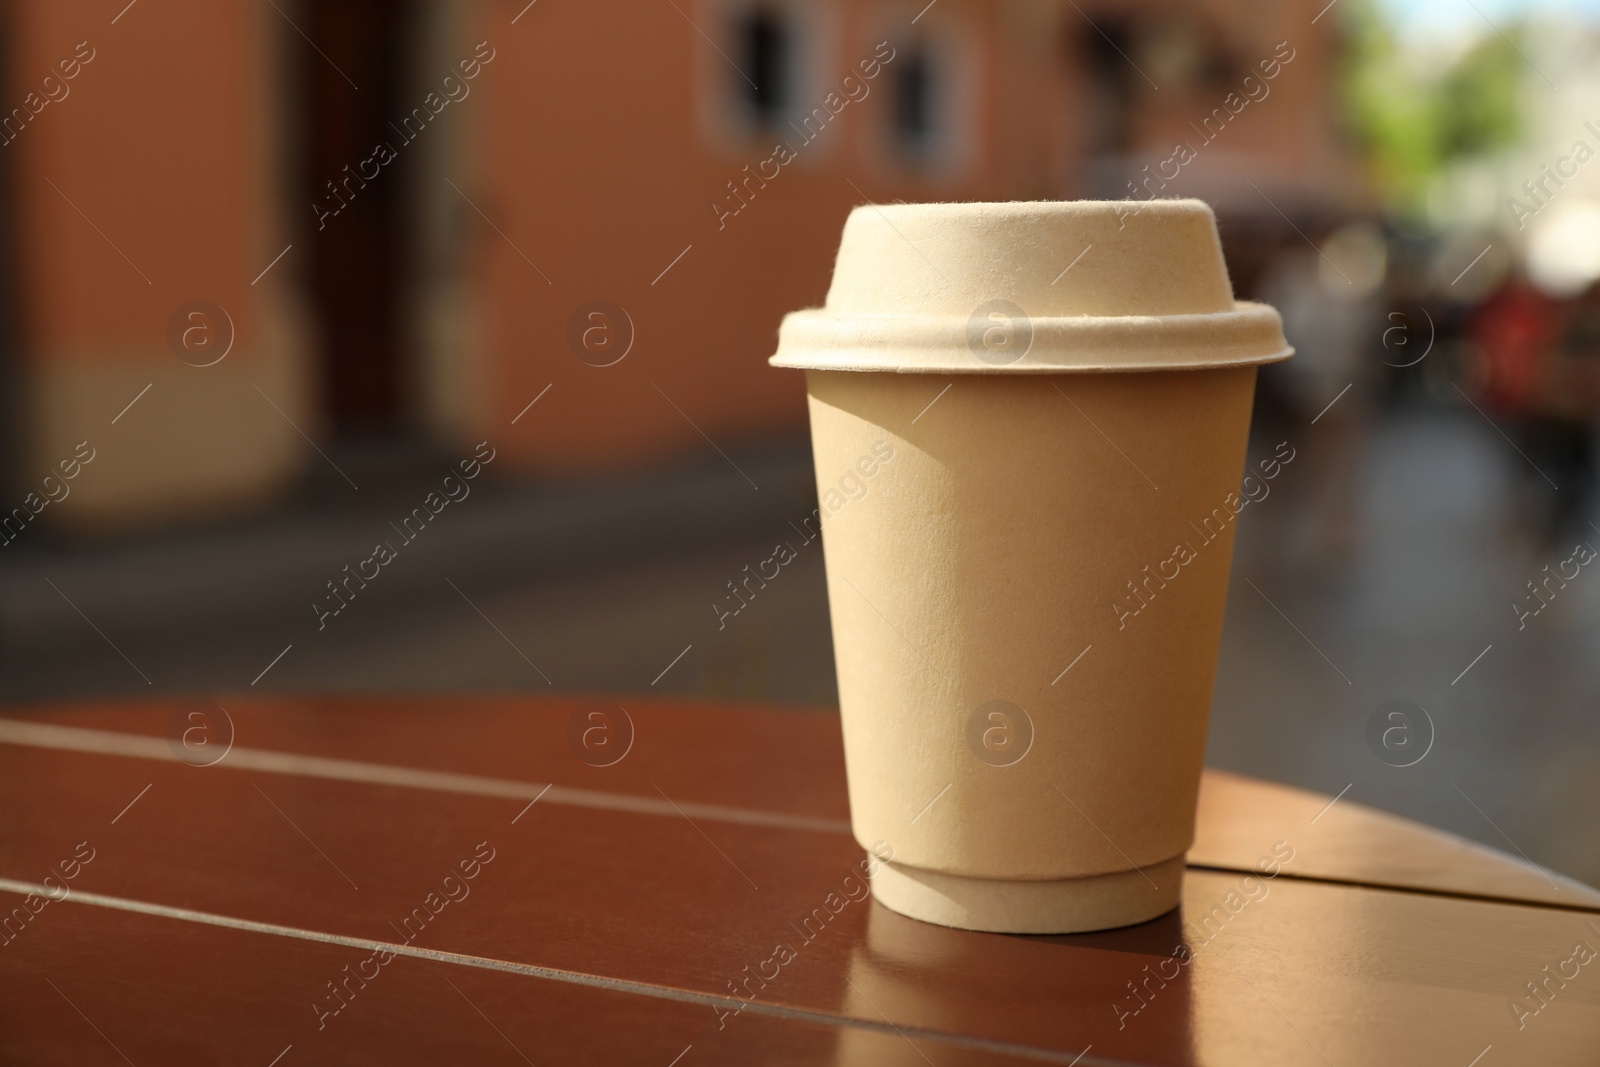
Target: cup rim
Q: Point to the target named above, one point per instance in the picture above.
(1250, 334)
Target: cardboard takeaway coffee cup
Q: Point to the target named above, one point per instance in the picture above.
(1029, 422)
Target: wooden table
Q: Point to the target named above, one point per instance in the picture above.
(446, 880)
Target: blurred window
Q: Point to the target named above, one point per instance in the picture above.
(929, 125)
(766, 49)
(915, 129)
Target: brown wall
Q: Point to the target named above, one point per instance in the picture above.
(592, 145)
(602, 190)
(161, 143)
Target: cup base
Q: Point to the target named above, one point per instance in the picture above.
(1066, 906)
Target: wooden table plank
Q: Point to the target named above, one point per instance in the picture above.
(656, 900)
(1350, 842)
(732, 754)
(89, 985)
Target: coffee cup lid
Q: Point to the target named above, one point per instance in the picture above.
(1031, 287)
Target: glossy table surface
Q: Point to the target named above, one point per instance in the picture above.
(337, 880)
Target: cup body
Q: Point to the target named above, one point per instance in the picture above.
(1021, 525)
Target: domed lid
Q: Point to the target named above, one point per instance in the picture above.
(1040, 287)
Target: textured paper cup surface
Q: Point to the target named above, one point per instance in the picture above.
(979, 561)
(1028, 545)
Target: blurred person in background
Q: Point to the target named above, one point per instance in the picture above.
(1572, 408)
(1538, 363)
(1326, 289)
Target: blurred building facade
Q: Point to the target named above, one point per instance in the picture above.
(243, 235)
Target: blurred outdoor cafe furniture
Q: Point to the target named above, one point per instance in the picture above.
(473, 879)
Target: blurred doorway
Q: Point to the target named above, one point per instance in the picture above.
(350, 80)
